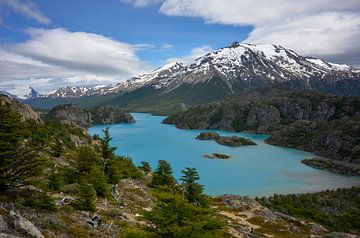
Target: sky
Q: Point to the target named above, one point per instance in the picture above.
(48, 44)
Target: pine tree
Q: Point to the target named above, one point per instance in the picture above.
(145, 166)
(106, 149)
(163, 175)
(192, 190)
(18, 158)
(87, 197)
(55, 179)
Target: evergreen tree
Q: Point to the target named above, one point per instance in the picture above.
(163, 175)
(55, 179)
(107, 150)
(192, 190)
(119, 168)
(145, 166)
(18, 158)
(87, 197)
(98, 180)
(86, 159)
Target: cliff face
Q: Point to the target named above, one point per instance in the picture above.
(110, 115)
(71, 113)
(102, 115)
(324, 124)
(25, 111)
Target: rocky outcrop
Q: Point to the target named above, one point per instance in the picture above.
(110, 115)
(25, 111)
(13, 223)
(225, 140)
(208, 136)
(334, 166)
(337, 139)
(234, 141)
(71, 113)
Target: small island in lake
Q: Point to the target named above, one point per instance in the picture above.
(217, 156)
(225, 140)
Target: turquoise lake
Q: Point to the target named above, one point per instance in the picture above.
(253, 170)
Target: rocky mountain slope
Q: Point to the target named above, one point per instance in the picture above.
(25, 111)
(73, 114)
(157, 78)
(326, 125)
(219, 74)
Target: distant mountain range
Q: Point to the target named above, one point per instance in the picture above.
(214, 76)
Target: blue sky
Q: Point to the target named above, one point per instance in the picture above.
(125, 23)
(47, 44)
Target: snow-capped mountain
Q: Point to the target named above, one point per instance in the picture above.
(237, 67)
(157, 78)
(241, 65)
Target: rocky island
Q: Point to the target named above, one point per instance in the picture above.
(217, 156)
(225, 140)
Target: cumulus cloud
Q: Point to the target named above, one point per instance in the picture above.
(321, 28)
(23, 7)
(194, 54)
(57, 57)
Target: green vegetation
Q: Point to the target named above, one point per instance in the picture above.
(180, 211)
(145, 166)
(192, 190)
(337, 210)
(18, 160)
(173, 216)
(163, 175)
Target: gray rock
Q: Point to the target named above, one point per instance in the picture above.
(3, 235)
(71, 113)
(25, 226)
(3, 225)
(25, 111)
(110, 115)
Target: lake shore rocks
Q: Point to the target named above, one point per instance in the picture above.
(225, 140)
(333, 166)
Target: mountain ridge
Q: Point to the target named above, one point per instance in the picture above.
(215, 76)
(230, 62)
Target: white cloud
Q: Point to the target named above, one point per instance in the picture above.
(194, 54)
(24, 7)
(322, 28)
(166, 46)
(141, 3)
(57, 57)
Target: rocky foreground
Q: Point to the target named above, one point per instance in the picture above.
(244, 216)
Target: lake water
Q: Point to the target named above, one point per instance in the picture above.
(253, 170)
